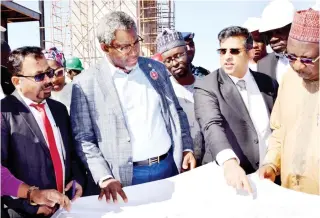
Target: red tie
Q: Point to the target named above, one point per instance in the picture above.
(52, 146)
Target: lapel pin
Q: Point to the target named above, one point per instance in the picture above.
(154, 75)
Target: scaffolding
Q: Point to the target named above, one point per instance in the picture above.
(73, 24)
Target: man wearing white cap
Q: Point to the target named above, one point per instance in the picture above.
(259, 46)
(275, 25)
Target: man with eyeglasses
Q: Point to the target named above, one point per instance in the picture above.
(36, 138)
(232, 105)
(172, 47)
(294, 147)
(191, 50)
(126, 119)
(275, 25)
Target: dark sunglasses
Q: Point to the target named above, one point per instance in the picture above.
(233, 51)
(50, 73)
(309, 61)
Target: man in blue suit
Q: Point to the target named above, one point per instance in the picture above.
(128, 125)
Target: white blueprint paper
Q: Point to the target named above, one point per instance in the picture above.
(200, 193)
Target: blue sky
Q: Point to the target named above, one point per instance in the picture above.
(204, 18)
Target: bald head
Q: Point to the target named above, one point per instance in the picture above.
(5, 52)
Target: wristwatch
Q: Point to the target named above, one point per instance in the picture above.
(32, 188)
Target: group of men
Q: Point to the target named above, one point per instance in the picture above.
(135, 120)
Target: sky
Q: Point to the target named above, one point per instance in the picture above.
(205, 18)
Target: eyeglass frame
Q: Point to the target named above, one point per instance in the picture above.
(138, 40)
(178, 59)
(50, 73)
(226, 49)
(301, 60)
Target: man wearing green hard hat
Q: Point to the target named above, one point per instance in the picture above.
(74, 67)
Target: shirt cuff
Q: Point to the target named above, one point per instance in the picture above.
(188, 150)
(104, 178)
(225, 155)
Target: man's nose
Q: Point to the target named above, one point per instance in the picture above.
(48, 79)
(298, 66)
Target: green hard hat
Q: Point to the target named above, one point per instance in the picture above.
(74, 63)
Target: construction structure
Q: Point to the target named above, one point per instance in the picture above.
(13, 12)
(73, 24)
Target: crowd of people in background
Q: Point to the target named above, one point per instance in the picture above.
(68, 132)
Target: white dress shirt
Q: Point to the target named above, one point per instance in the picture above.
(141, 106)
(259, 115)
(282, 67)
(56, 131)
(253, 66)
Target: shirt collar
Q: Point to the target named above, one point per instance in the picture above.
(29, 101)
(114, 69)
(280, 55)
(245, 77)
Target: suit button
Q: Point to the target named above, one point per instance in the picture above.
(128, 139)
(130, 163)
(256, 141)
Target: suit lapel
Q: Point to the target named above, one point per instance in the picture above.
(31, 122)
(109, 91)
(156, 80)
(233, 97)
(147, 69)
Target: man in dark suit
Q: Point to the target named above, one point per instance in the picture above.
(275, 25)
(36, 139)
(232, 106)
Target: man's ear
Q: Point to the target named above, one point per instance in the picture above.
(104, 47)
(15, 80)
(251, 53)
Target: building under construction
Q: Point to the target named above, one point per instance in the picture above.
(73, 24)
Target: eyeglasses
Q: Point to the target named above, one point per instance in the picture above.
(177, 57)
(59, 72)
(50, 73)
(233, 51)
(126, 49)
(308, 61)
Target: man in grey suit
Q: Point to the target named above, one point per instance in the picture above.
(127, 123)
(232, 106)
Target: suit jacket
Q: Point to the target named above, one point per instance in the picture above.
(224, 119)
(268, 65)
(101, 136)
(24, 150)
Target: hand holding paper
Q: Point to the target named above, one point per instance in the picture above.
(267, 172)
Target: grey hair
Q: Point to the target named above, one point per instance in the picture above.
(111, 22)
